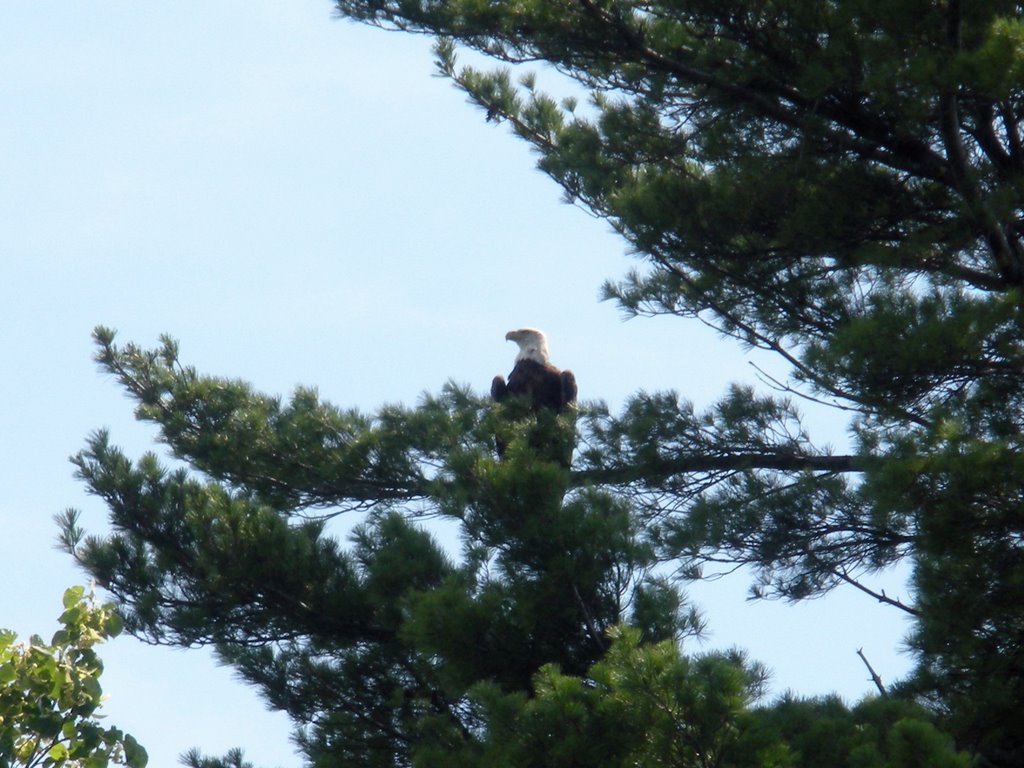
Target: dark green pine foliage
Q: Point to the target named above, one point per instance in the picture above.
(646, 704)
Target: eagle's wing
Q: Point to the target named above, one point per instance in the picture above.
(568, 388)
(498, 388)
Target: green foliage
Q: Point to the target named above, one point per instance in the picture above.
(877, 733)
(650, 705)
(50, 694)
(641, 705)
(233, 759)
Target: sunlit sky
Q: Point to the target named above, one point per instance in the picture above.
(299, 201)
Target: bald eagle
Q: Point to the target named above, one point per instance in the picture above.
(546, 390)
(534, 376)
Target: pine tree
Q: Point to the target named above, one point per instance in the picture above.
(376, 648)
(836, 182)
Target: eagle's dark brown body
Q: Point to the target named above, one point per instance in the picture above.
(544, 384)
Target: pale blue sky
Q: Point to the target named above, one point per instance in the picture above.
(299, 200)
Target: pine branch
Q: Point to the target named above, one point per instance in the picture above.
(750, 334)
(879, 596)
(874, 675)
(848, 126)
(700, 463)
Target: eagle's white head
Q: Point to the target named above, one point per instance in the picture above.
(533, 344)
